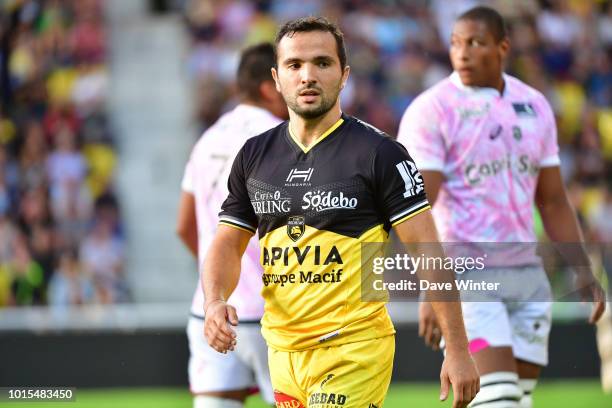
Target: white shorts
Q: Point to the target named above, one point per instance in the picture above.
(245, 367)
(519, 315)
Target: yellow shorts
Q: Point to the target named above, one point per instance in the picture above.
(345, 376)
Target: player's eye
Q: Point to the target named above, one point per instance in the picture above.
(323, 64)
(293, 66)
(476, 43)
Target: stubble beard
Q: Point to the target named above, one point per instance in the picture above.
(312, 112)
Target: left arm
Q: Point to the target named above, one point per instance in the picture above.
(419, 234)
(561, 225)
(186, 223)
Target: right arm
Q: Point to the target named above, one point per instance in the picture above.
(219, 279)
(423, 139)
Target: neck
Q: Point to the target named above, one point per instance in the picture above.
(249, 102)
(500, 84)
(307, 131)
(496, 83)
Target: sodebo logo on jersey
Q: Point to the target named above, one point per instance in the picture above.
(270, 203)
(327, 200)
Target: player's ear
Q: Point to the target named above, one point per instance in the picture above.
(267, 90)
(345, 76)
(275, 77)
(504, 48)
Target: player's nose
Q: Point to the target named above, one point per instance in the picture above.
(308, 74)
(462, 53)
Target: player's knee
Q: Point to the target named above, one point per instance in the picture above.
(205, 401)
(527, 386)
(498, 390)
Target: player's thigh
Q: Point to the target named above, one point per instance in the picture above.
(210, 371)
(251, 348)
(351, 375)
(489, 334)
(531, 324)
(487, 325)
(287, 392)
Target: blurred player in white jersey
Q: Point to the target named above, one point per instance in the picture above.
(486, 145)
(218, 380)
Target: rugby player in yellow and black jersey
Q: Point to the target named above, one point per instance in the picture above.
(316, 188)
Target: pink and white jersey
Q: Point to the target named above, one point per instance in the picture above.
(206, 175)
(489, 148)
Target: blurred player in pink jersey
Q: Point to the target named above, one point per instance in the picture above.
(217, 380)
(486, 145)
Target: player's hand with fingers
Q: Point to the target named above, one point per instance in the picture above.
(598, 297)
(219, 317)
(591, 290)
(429, 328)
(459, 371)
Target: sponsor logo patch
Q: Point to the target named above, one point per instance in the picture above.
(299, 178)
(285, 401)
(495, 133)
(326, 200)
(517, 133)
(468, 113)
(524, 109)
(413, 181)
(329, 377)
(475, 173)
(270, 203)
(326, 400)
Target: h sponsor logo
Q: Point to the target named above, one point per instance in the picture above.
(299, 175)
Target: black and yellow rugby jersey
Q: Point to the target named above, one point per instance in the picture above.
(313, 207)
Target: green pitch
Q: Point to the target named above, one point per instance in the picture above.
(574, 394)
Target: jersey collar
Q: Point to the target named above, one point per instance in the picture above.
(319, 139)
(478, 90)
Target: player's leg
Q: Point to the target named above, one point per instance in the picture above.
(287, 391)
(604, 343)
(216, 380)
(528, 379)
(531, 321)
(490, 342)
(354, 375)
(253, 351)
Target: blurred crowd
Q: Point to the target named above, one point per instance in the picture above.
(398, 48)
(61, 240)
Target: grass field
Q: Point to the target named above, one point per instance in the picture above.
(574, 394)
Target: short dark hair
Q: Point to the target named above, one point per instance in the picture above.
(307, 24)
(492, 19)
(254, 68)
